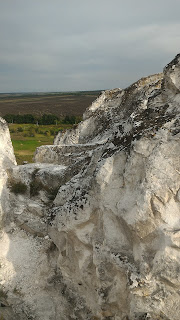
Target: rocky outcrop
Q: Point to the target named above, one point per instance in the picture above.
(7, 159)
(92, 229)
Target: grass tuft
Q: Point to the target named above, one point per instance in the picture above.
(18, 187)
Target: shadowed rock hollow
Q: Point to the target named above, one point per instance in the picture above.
(91, 230)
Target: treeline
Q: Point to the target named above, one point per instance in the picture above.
(45, 119)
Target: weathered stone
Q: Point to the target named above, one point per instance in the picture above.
(7, 159)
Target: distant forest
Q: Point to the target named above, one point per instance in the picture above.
(45, 119)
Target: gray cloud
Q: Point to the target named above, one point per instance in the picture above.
(80, 45)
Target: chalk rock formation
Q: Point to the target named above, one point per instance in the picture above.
(7, 159)
(93, 227)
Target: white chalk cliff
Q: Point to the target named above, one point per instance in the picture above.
(91, 230)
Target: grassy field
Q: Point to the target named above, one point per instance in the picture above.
(60, 104)
(27, 137)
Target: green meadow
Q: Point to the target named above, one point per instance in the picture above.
(27, 137)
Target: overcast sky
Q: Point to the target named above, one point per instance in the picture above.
(61, 45)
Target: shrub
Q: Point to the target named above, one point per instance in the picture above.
(18, 187)
(47, 133)
(31, 132)
(20, 129)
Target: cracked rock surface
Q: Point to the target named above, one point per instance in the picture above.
(91, 230)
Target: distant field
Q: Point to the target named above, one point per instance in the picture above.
(27, 137)
(60, 104)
